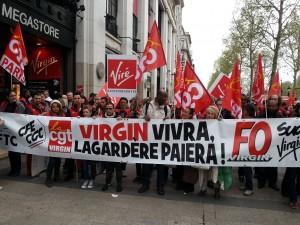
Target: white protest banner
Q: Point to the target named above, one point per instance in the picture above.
(252, 142)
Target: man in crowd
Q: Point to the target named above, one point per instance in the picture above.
(270, 173)
(70, 99)
(112, 166)
(13, 106)
(157, 109)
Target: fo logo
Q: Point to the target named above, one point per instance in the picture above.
(251, 135)
(60, 137)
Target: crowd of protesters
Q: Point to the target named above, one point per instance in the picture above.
(187, 179)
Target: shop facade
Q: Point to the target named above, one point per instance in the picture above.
(48, 29)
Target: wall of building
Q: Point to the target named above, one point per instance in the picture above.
(94, 41)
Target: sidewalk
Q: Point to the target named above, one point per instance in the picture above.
(28, 201)
(3, 154)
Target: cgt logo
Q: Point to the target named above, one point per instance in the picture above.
(60, 136)
(250, 138)
(34, 133)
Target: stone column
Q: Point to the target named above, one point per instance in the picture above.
(154, 17)
(125, 20)
(143, 36)
(90, 46)
(164, 40)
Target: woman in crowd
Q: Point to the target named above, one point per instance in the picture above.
(185, 176)
(88, 166)
(54, 162)
(247, 188)
(209, 173)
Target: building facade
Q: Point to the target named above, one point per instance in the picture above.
(48, 28)
(67, 41)
(122, 27)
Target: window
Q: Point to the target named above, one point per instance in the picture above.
(135, 33)
(111, 16)
(112, 8)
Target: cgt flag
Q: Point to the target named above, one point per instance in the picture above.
(275, 88)
(178, 82)
(292, 98)
(15, 58)
(153, 56)
(232, 101)
(195, 94)
(258, 84)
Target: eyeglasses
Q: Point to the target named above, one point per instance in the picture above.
(109, 108)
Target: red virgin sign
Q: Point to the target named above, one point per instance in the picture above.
(121, 71)
(45, 64)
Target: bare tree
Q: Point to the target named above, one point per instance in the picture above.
(279, 15)
(292, 46)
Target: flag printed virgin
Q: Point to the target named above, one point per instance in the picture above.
(275, 88)
(217, 89)
(153, 56)
(178, 82)
(15, 58)
(104, 92)
(195, 94)
(258, 84)
(232, 101)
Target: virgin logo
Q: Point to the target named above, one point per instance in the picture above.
(40, 65)
(121, 75)
(194, 92)
(145, 60)
(221, 91)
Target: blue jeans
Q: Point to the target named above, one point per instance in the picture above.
(89, 169)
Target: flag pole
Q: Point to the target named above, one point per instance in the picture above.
(266, 113)
(220, 115)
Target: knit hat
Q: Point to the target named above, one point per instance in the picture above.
(55, 101)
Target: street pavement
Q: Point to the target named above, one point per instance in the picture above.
(27, 201)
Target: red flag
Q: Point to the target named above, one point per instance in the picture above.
(218, 88)
(292, 98)
(258, 84)
(275, 88)
(178, 82)
(15, 58)
(103, 93)
(195, 94)
(153, 56)
(232, 101)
